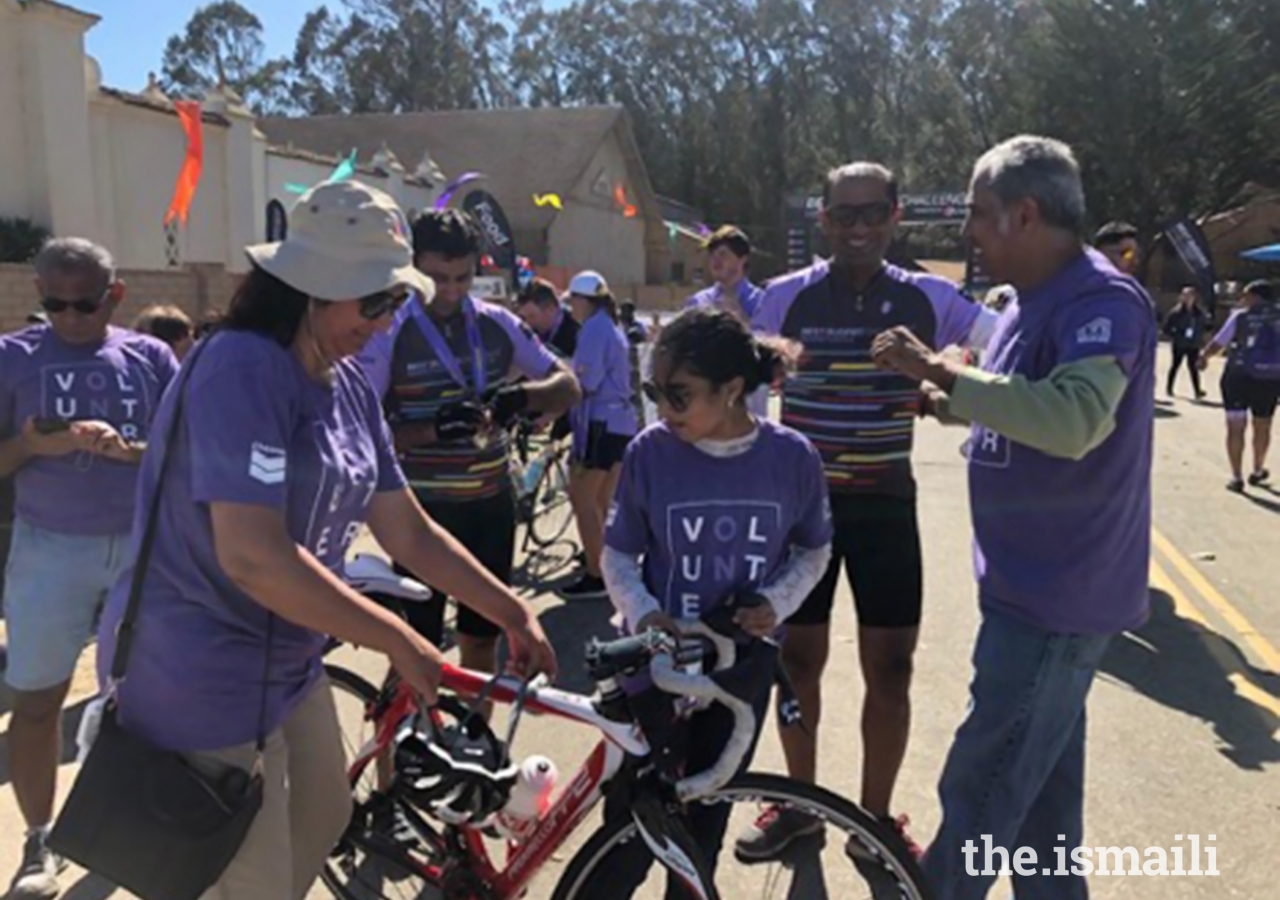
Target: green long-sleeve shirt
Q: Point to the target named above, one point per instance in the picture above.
(1067, 414)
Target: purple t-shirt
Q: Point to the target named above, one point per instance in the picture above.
(602, 362)
(256, 430)
(709, 527)
(749, 295)
(119, 381)
(1064, 544)
(406, 371)
(861, 418)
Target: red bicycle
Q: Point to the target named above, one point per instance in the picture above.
(452, 826)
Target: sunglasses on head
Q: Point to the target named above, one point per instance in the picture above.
(375, 306)
(869, 214)
(86, 306)
(676, 396)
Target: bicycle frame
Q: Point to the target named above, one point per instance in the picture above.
(576, 799)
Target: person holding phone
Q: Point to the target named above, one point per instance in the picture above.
(78, 395)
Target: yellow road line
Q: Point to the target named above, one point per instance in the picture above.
(1236, 619)
(1184, 608)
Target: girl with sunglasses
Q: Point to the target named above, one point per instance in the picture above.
(714, 506)
(281, 455)
(603, 423)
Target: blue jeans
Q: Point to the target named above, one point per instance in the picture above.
(1016, 769)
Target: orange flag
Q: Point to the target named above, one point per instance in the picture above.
(620, 197)
(184, 191)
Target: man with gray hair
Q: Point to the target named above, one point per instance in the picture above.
(78, 396)
(1060, 490)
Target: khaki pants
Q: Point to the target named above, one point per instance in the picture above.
(306, 804)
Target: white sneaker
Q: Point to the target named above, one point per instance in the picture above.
(37, 877)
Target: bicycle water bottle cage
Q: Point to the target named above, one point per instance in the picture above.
(452, 765)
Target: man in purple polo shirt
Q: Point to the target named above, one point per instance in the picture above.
(78, 395)
(1060, 488)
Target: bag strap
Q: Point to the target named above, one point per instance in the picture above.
(124, 631)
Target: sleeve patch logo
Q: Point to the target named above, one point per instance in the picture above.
(1096, 332)
(267, 464)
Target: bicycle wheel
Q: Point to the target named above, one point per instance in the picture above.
(849, 855)
(550, 514)
(366, 865)
(352, 697)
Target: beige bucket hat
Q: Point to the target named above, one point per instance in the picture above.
(346, 240)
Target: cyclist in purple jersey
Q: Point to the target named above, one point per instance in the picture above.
(1242, 392)
(447, 370)
(861, 420)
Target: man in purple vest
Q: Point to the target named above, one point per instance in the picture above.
(1060, 489)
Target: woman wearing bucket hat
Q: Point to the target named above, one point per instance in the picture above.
(603, 424)
(280, 455)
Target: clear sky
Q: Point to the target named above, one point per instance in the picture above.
(129, 41)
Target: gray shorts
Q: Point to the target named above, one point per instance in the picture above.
(54, 586)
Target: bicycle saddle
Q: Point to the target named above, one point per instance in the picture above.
(370, 574)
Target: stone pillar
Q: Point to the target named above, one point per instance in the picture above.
(246, 177)
(55, 100)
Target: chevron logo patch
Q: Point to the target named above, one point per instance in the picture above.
(267, 464)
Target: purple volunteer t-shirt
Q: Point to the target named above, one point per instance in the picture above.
(709, 527)
(602, 362)
(119, 381)
(1064, 544)
(256, 430)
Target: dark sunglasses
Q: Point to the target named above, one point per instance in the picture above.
(85, 307)
(870, 214)
(677, 396)
(375, 306)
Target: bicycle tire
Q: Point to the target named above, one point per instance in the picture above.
(760, 787)
(340, 676)
(545, 528)
(384, 858)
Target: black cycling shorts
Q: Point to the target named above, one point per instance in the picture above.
(604, 450)
(487, 528)
(876, 539)
(1241, 392)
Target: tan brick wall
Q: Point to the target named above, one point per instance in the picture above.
(195, 289)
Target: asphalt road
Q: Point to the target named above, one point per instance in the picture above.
(1184, 721)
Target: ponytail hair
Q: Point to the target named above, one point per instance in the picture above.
(716, 345)
(606, 302)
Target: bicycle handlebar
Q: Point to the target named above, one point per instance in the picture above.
(702, 687)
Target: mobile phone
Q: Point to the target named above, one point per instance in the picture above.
(51, 426)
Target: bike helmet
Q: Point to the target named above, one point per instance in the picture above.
(455, 769)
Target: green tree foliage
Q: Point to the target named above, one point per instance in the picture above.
(222, 45)
(1172, 105)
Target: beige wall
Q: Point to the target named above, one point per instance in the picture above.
(592, 233)
(79, 161)
(196, 289)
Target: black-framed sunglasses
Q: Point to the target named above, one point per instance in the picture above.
(375, 306)
(676, 396)
(870, 214)
(86, 306)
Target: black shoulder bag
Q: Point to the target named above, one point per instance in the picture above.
(145, 817)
